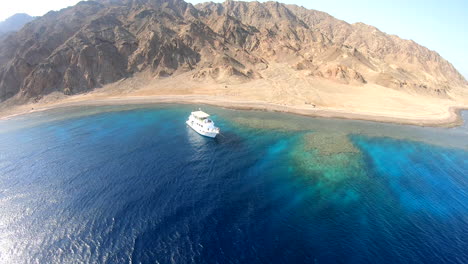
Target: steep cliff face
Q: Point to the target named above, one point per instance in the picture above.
(98, 42)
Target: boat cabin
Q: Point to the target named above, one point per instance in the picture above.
(201, 115)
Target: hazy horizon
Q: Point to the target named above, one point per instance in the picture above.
(436, 25)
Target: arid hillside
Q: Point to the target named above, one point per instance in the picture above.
(94, 43)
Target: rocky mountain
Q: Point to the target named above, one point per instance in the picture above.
(98, 42)
(14, 23)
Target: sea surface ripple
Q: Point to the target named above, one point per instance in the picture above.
(133, 184)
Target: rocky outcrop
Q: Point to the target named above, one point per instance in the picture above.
(98, 42)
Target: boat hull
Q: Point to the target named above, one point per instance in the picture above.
(201, 131)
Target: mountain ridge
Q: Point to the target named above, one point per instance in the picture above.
(14, 23)
(100, 42)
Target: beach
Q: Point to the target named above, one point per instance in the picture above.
(297, 95)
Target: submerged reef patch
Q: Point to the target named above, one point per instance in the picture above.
(268, 124)
(331, 163)
(329, 144)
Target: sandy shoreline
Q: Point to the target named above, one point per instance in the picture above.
(453, 118)
(281, 90)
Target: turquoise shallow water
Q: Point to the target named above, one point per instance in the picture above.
(119, 184)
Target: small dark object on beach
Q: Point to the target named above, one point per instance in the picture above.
(309, 103)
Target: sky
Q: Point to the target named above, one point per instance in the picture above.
(439, 25)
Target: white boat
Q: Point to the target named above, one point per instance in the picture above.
(200, 122)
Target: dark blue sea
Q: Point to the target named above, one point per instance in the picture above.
(133, 184)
